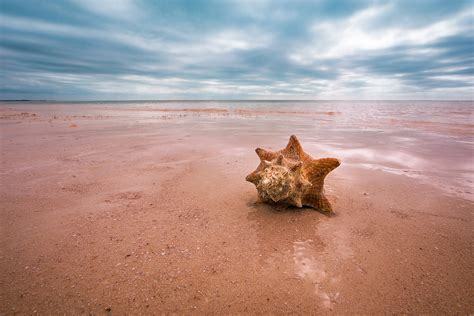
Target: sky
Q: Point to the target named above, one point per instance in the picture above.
(309, 50)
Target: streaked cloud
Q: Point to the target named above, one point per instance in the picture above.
(235, 49)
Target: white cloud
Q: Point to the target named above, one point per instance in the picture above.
(27, 24)
(337, 39)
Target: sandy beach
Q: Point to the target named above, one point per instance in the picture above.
(137, 209)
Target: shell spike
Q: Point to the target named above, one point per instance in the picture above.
(253, 177)
(294, 145)
(296, 201)
(279, 160)
(264, 154)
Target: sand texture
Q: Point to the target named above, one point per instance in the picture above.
(127, 211)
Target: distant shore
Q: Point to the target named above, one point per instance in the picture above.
(230, 100)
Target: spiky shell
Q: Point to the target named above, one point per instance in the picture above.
(292, 176)
(282, 180)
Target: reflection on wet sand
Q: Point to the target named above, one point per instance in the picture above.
(278, 227)
(296, 241)
(310, 269)
(436, 127)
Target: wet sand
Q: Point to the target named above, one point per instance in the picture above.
(121, 211)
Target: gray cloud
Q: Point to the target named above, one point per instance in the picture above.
(234, 49)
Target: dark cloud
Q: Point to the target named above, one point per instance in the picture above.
(235, 49)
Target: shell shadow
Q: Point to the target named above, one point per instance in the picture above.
(279, 227)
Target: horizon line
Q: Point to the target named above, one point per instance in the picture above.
(235, 100)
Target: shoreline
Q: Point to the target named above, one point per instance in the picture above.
(131, 216)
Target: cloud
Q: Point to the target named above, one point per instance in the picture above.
(233, 49)
(122, 9)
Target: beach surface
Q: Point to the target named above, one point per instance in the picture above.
(143, 208)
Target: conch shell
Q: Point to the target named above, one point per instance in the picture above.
(293, 177)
